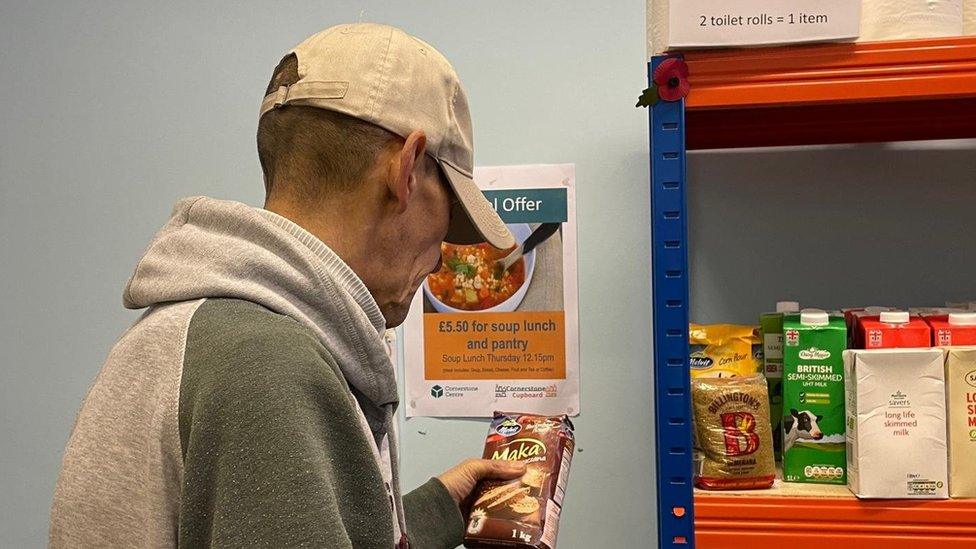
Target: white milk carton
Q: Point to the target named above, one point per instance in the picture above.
(896, 423)
(961, 400)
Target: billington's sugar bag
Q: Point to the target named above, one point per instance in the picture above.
(732, 427)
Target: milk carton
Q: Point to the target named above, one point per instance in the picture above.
(960, 378)
(896, 424)
(891, 329)
(771, 325)
(853, 317)
(953, 329)
(813, 398)
(926, 312)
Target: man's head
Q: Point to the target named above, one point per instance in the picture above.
(365, 140)
(309, 152)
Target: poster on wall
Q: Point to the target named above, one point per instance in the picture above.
(491, 331)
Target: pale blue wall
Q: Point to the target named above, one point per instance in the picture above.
(110, 111)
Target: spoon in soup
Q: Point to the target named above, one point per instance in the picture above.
(538, 236)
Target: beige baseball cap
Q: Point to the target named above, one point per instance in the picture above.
(386, 77)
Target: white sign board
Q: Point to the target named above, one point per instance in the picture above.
(483, 337)
(683, 24)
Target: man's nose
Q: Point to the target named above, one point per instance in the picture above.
(437, 266)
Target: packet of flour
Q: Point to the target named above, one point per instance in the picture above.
(523, 513)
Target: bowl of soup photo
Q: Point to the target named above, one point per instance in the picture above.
(471, 277)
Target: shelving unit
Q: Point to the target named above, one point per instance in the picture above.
(835, 93)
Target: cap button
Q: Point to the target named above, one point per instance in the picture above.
(894, 317)
(962, 319)
(814, 317)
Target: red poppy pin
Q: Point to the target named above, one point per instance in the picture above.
(670, 83)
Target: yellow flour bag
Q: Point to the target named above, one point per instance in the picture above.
(724, 350)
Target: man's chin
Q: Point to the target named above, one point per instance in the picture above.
(396, 314)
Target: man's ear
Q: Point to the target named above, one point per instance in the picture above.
(403, 183)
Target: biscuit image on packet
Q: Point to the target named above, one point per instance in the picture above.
(534, 476)
(501, 495)
(523, 513)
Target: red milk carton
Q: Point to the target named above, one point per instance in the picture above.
(892, 329)
(926, 312)
(853, 317)
(953, 329)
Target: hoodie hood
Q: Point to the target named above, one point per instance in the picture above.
(216, 248)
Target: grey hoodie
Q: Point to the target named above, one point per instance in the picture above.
(251, 405)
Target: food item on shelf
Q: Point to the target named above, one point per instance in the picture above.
(731, 417)
(771, 326)
(960, 379)
(893, 329)
(953, 329)
(523, 513)
(896, 423)
(853, 316)
(813, 397)
(724, 350)
(471, 278)
(926, 312)
(968, 17)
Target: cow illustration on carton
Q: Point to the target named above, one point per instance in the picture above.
(801, 425)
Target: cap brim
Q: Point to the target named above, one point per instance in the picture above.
(474, 219)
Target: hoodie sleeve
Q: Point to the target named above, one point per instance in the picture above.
(433, 519)
(273, 453)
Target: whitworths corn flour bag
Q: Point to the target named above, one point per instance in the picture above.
(724, 350)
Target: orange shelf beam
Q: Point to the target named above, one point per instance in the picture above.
(833, 93)
(763, 522)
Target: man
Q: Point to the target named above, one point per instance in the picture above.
(252, 405)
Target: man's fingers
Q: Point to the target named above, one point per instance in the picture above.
(463, 478)
(495, 468)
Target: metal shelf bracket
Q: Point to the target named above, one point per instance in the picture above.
(669, 268)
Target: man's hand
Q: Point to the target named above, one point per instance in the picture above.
(461, 479)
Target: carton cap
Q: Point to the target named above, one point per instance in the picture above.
(962, 319)
(876, 309)
(894, 317)
(787, 307)
(814, 317)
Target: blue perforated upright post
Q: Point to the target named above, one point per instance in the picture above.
(669, 265)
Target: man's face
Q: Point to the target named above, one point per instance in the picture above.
(414, 245)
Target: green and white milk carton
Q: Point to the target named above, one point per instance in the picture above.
(772, 337)
(814, 442)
